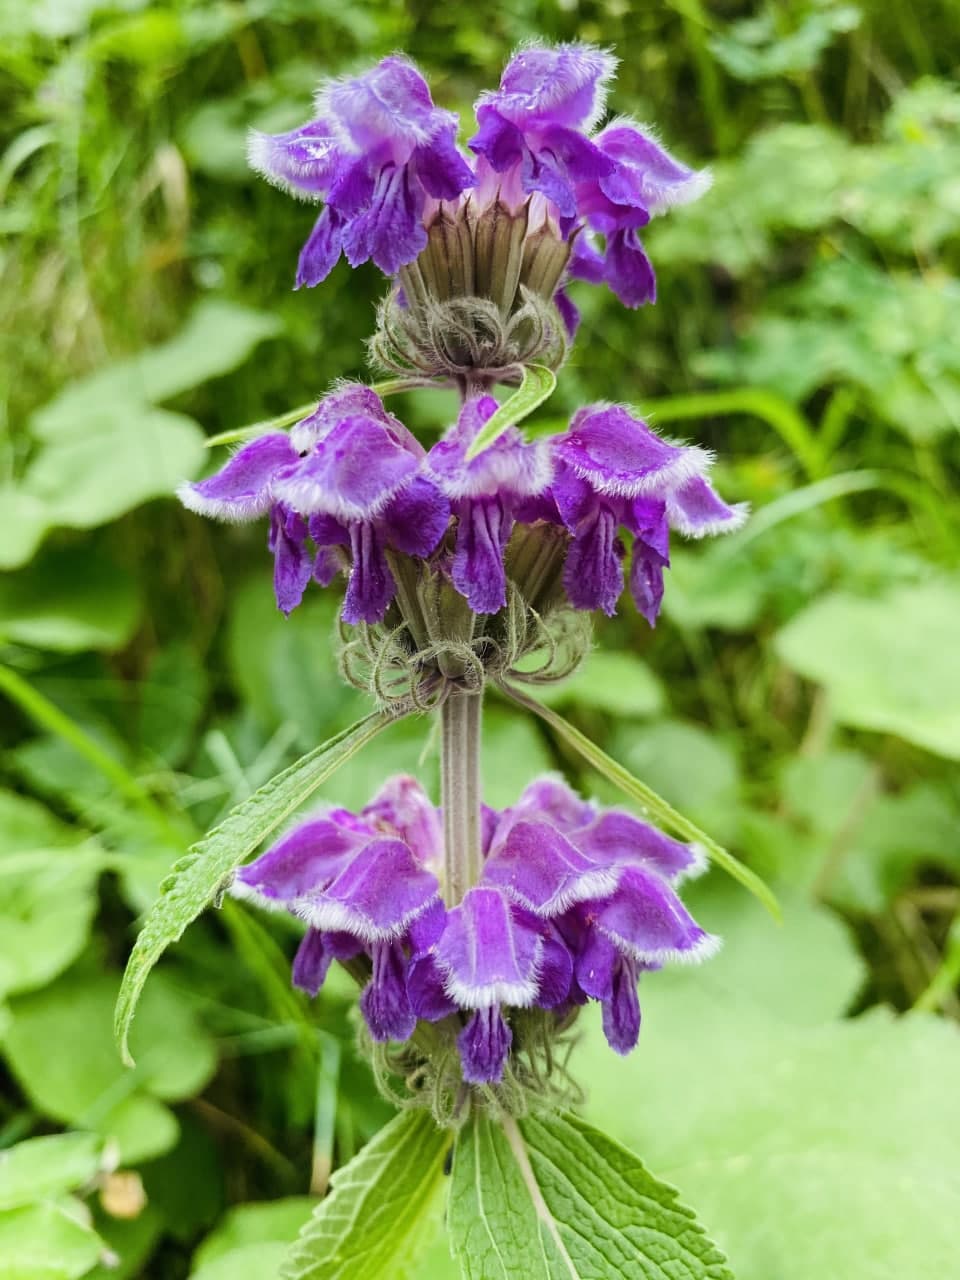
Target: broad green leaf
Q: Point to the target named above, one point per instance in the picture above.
(550, 1198)
(789, 1137)
(46, 1242)
(206, 869)
(617, 683)
(126, 455)
(48, 902)
(538, 384)
(68, 601)
(272, 1222)
(88, 1086)
(259, 1261)
(650, 803)
(24, 520)
(41, 1168)
(378, 1206)
(886, 664)
(218, 337)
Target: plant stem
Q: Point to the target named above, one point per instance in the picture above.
(461, 717)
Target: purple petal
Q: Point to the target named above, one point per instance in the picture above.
(376, 895)
(628, 270)
(645, 918)
(326, 566)
(483, 531)
(509, 467)
(592, 572)
(497, 140)
(621, 1010)
(542, 174)
(696, 510)
(416, 519)
(569, 312)
(401, 807)
(311, 962)
(618, 454)
(349, 400)
(580, 158)
(541, 870)
(426, 990)
(486, 955)
(645, 173)
(484, 1046)
(389, 105)
(353, 471)
(586, 262)
(562, 84)
(303, 161)
(551, 799)
(292, 561)
(597, 960)
(384, 1002)
(304, 861)
(427, 928)
(390, 231)
(646, 581)
(242, 489)
(619, 837)
(322, 250)
(441, 168)
(370, 586)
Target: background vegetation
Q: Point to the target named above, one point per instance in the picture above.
(800, 699)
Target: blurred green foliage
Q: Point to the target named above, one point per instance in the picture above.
(800, 699)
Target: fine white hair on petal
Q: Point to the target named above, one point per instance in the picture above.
(469, 996)
(234, 511)
(740, 512)
(706, 946)
(513, 467)
(261, 150)
(684, 191)
(250, 893)
(601, 64)
(698, 865)
(692, 463)
(336, 917)
(592, 884)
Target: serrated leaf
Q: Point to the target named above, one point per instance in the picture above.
(538, 384)
(199, 876)
(377, 1207)
(551, 1198)
(653, 805)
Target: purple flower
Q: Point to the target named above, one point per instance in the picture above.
(377, 154)
(643, 180)
(612, 471)
(574, 903)
(361, 888)
(347, 476)
(484, 494)
(531, 139)
(491, 953)
(360, 487)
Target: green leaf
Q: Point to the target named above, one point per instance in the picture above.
(538, 385)
(41, 1168)
(205, 870)
(550, 1198)
(771, 1127)
(653, 805)
(69, 601)
(619, 684)
(886, 664)
(46, 1242)
(88, 1086)
(273, 1222)
(218, 337)
(377, 1208)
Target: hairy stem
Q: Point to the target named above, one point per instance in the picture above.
(461, 717)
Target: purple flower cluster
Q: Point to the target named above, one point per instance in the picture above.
(573, 904)
(350, 483)
(381, 157)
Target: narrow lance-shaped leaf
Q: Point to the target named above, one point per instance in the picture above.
(204, 871)
(654, 805)
(551, 1198)
(378, 1206)
(537, 385)
(239, 435)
